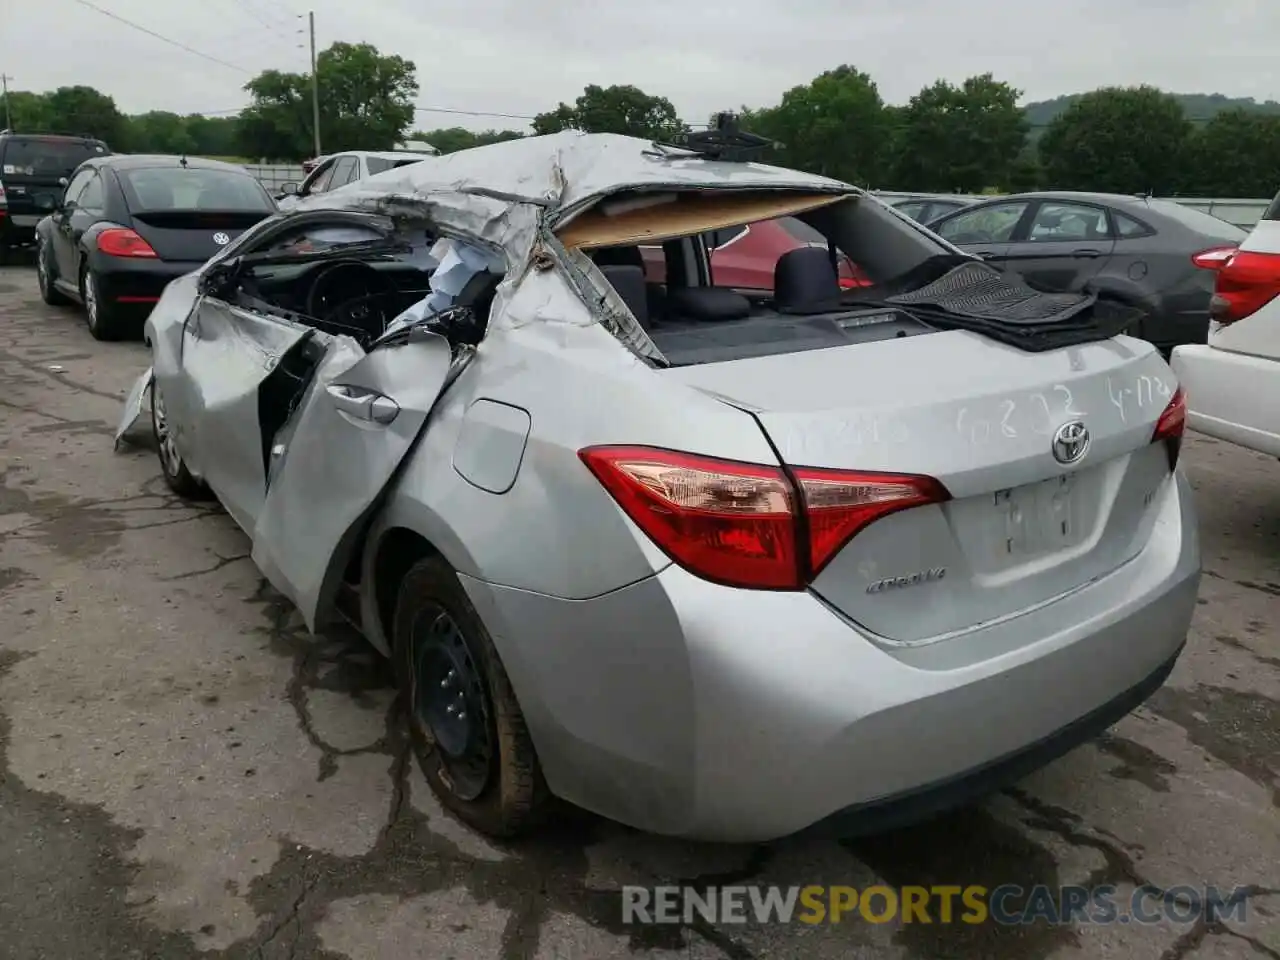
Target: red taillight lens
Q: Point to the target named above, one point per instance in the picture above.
(742, 524)
(123, 242)
(838, 504)
(851, 276)
(1171, 426)
(1215, 258)
(1246, 283)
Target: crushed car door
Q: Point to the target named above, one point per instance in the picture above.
(239, 374)
(357, 422)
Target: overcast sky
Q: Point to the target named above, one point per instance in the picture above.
(524, 56)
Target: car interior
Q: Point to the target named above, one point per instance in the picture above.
(692, 321)
(688, 318)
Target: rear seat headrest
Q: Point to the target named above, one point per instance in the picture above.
(628, 283)
(707, 304)
(805, 282)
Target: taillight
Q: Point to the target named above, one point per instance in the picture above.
(839, 503)
(123, 242)
(1246, 283)
(1171, 426)
(4, 203)
(746, 524)
(851, 276)
(1215, 258)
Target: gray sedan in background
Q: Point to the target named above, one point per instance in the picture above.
(1156, 255)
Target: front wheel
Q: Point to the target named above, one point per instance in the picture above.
(176, 474)
(49, 293)
(466, 726)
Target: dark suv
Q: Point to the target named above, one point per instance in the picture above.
(34, 169)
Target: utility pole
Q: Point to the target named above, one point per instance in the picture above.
(8, 117)
(315, 83)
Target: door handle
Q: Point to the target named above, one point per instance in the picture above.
(363, 404)
(1086, 252)
(984, 254)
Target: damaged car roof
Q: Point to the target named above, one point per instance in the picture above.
(560, 171)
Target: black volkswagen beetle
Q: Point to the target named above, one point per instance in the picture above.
(127, 225)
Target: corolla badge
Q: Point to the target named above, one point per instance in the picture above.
(221, 239)
(931, 575)
(1071, 442)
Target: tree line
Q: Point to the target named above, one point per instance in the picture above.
(970, 137)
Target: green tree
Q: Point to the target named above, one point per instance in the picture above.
(618, 109)
(1236, 154)
(453, 139)
(835, 126)
(366, 103)
(160, 132)
(960, 139)
(84, 111)
(30, 112)
(1117, 140)
(213, 136)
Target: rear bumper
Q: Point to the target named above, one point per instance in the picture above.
(1231, 396)
(136, 280)
(692, 709)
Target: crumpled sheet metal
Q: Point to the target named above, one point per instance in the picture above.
(561, 170)
(510, 195)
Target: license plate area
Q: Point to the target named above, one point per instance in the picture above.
(1013, 527)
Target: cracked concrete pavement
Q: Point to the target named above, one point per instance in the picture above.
(185, 772)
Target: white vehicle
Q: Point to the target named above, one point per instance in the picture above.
(1233, 382)
(339, 169)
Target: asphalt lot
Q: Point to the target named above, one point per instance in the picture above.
(183, 772)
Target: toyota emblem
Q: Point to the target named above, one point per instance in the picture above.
(1071, 442)
(221, 239)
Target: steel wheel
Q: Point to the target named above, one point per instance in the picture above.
(449, 702)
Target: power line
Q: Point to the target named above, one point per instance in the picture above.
(152, 33)
(473, 113)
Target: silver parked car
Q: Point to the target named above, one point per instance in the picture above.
(711, 563)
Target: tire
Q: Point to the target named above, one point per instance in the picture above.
(105, 322)
(44, 276)
(176, 474)
(464, 722)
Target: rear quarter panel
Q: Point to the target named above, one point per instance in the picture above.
(556, 530)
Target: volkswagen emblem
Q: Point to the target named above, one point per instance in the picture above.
(1071, 442)
(221, 239)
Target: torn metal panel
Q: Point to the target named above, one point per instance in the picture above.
(356, 424)
(133, 406)
(227, 356)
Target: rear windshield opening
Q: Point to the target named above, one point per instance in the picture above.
(814, 276)
(160, 189)
(47, 158)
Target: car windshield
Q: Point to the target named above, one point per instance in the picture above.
(154, 189)
(40, 157)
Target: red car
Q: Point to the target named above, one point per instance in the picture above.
(744, 257)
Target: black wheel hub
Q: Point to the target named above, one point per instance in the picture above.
(450, 701)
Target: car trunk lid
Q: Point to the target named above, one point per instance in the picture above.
(1021, 527)
(193, 235)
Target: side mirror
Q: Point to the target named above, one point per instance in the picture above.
(289, 189)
